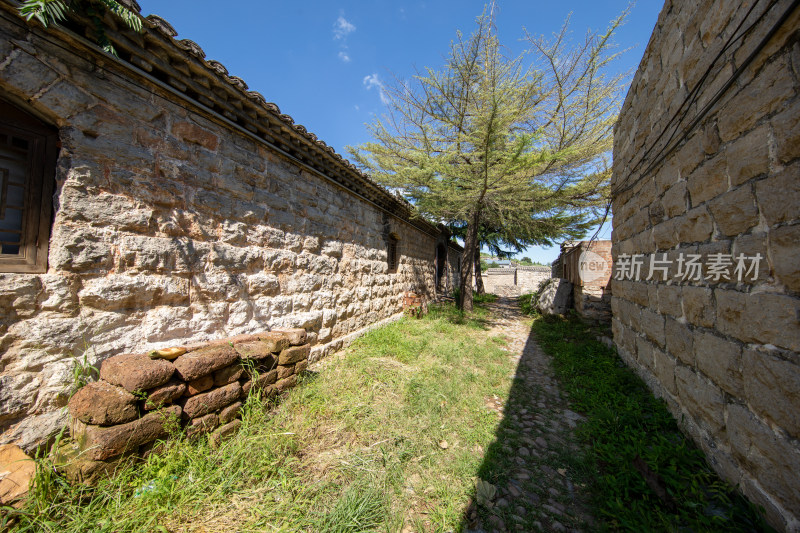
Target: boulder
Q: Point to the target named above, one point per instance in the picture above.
(230, 412)
(296, 336)
(16, 472)
(555, 297)
(208, 402)
(203, 424)
(229, 374)
(294, 354)
(103, 404)
(164, 394)
(257, 350)
(204, 361)
(276, 340)
(199, 385)
(224, 432)
(102, 443)
(136, 372)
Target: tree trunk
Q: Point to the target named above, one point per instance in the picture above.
(478, 276)
(470, 242)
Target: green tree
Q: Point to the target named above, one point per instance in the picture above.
(510, 142)
(54, 11)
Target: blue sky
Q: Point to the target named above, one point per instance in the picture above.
(323, 62)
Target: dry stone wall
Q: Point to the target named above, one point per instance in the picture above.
(200, 388)
(175, 225)
(706, 209)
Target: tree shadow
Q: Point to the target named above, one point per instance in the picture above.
(535, 465)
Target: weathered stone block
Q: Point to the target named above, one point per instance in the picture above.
(136, 371)
(102, 404)
(772, 460)
(698, 306)
(703, 400)
(678, 338)
(735, 212)
(787, 136)
(193, 133)
(761, 318)
(199, 385)
(18, 471)
(779, 195)
(708, 181)
(225, 432)
(164, 394)
(669, 300)
(772, 387)
(263, 381)
(294, 354)
(286, 383)
(284, 371)
(256, 350)
(721, 360)
(227, 414)
(204, 361)
(229, 374)
(749, 156)
(652, 325)
(695, 226)
(100, 443)
(211, 401)
(301, 367)
(204, 424)
(784, 248)
(296, 336)
(664, 369)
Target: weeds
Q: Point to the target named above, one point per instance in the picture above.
(354, 448)
(636, 445)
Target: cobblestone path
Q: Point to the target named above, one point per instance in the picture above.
(534, 460)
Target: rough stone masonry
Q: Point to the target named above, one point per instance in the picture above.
(706, 239)
(185, 208)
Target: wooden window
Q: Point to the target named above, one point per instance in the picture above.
(28, 150)
(392, 258)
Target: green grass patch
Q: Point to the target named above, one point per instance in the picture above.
(631, 435)
(356, 447)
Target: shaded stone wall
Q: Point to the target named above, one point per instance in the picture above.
(588, 266)
(173, 225)
(720, 188)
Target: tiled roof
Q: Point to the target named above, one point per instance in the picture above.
(182, 65)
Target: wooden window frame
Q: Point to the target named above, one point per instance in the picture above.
(38, 206)
(392, 253)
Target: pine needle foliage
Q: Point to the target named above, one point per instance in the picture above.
(488, 140)
(49, 12)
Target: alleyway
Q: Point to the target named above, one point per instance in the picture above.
(536, 455)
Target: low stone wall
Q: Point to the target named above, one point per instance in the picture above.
(514, 281)
(199, 388)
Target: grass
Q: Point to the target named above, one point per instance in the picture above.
(387, 434)
(625, 421)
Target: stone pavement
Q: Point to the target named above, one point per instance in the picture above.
(532, 462)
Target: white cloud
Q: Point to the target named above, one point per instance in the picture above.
(342, 28)
(344, 57)
(372, 80)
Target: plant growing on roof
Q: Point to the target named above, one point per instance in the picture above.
(54, 11)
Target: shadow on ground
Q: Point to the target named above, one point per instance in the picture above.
(535, 467)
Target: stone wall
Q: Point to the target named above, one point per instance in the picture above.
(588, 266)
(186, 209)
(716, 187)
(200, 388)
(514, 281)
